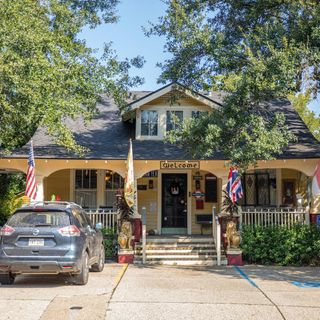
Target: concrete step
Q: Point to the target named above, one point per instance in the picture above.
(176, 251)
(179, 239)
(180, 246)
(176, 262)
(181, 257)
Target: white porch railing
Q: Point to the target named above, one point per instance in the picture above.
(108, 218)
(274, 217)
(216, 232)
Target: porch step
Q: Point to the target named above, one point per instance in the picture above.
(179, 250)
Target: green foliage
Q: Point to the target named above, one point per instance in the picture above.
(48, 75)
(254, 51)
(312, 121)
(228, 206)
(10, 186)
(299, 245)
(110, 241)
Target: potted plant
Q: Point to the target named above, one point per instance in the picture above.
(230, 212)
(125, 229)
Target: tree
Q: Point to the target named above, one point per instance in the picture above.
(300, 102)
(254, 51)
(48, 74)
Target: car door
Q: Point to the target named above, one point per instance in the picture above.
(96, 236)
(85, 229)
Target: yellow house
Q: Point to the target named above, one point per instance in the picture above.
(174, 189)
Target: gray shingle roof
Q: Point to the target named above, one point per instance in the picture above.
(107, 137)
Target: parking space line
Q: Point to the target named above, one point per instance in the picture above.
(247, 278)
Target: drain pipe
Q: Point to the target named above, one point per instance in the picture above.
(144, 233)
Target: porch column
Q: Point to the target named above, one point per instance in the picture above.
(314, 203)
(100, 187)
(279, 186)
(40, 187)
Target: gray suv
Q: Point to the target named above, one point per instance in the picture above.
(50, 238)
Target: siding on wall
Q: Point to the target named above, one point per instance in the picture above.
(58, 183)
(207, 208)
(149, 199)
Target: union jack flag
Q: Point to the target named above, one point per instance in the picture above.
(31, 187)
(234, 186)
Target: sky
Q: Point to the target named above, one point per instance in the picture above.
(129, 40)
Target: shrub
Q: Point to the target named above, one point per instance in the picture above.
(110, 242)
(299, 245)
(10, 186)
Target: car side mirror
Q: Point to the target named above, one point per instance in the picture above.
(99, 226)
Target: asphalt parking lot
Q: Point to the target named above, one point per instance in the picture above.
(54, 297)
(157, 292)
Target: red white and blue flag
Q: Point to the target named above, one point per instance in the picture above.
(31, 187)
(234, 186)
(316, 181)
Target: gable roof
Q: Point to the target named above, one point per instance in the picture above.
(107, 137)
(211, 101)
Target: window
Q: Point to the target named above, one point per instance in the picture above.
(86, 188)
(211, 188)
(114, 182)
(259, 188)
(149, 123)
(198, 114)
(173, 119)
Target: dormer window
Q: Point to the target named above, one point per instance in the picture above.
(173, 119)
(149, 123)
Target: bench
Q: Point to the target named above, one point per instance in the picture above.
(204, 220)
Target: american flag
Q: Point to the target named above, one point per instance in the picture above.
(31, 188)
(234, 186)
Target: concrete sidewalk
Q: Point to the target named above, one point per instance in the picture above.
(157, 292)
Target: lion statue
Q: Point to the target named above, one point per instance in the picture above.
(125, 236)
(232, 235)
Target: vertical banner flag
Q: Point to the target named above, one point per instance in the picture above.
(316, 181)
(129, 179)
(31, 187)
(234, 186)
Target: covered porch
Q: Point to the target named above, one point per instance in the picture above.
(178, 196)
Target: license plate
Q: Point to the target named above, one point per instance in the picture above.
(36, 242)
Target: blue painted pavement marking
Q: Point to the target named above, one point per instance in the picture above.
(306, 284)
(245, 276)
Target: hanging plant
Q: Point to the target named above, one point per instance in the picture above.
(229, 207)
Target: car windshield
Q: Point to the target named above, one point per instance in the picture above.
(39, 219)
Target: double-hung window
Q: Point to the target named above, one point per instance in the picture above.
(114, 182)
(173, 119)
(86, 188)
(197, 114)
(149, 123)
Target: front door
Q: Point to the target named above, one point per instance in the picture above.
(174, 203)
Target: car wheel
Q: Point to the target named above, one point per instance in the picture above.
(98, 267)
(7, 278)
(82, 277)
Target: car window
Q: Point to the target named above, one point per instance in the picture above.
(79, 216)
(86, 216)
(43, 218)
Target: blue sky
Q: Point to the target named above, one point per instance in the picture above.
(129, 40)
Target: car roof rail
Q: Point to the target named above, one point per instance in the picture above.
(43, 203)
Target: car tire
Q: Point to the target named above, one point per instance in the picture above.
(7, 278)
(99, 266)
(82, 277)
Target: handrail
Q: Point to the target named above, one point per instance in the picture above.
(216, 233)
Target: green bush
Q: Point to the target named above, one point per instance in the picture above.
(10, 186)
(299, 245)
(110, 242)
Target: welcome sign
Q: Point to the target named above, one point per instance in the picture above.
(174, 165)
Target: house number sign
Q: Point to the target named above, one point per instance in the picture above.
(179, 165)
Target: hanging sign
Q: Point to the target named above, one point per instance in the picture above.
(180, 165)
(198, 194)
